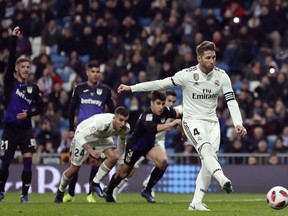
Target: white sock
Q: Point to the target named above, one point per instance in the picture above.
(64, 182)
(202, 183)
(102, 173)
(211, 164)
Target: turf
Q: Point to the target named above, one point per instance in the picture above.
(133, 204)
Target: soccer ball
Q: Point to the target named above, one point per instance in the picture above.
(277, 197)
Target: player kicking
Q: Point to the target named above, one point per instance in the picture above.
(160, 141)
(201, 85)
(96, 133)
(141, 143)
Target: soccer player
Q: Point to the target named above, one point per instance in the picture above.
(201, 85)
(96, 133)
(142, 143)
(89, 98)
(22, 101)
(160, 141)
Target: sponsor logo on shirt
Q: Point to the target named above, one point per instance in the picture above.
(22, 95)
(91, 101)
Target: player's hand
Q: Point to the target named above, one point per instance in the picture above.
(22, 115)
(96, 154)
(123, 89)
(16, 31)
(241, 130)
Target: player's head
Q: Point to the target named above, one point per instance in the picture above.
(93, 72)
(206, 56)
(22, 68)
(170, 98)
(120, 119)
(158, 102)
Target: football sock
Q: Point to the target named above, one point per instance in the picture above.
(26, 175)
(102, 172)
(26, 181)
(72, 184)
(4, 173)
(113, 183)
(202, 183)
(155, 176)
(120, 185)
(93, 172)
(64, 182)
(210, 163)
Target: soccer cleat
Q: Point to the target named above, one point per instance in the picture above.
(59, 197)
(198, 207)
(24, 199)
(97, 189)
(147, 195)
(228, 187)
(109, 198)
(145, 182)
(90, 198)
(68, 198)
(1, 196)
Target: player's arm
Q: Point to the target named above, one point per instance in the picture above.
(110, 103)
(74, 103)
(38, 105)
(233, 106)
(147, 86)
(122, 142)
(168, 126)
(93, 153)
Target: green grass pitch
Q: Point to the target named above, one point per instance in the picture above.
(133, 204)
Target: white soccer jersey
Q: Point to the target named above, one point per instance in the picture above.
(98, 126)
(97, 131)
(200, 93)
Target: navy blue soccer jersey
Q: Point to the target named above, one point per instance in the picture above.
(143, 136)
(19, 96)
(89, 100)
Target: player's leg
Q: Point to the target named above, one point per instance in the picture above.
(200, 130)
(130, 158)
(78, 156)
(7, 150)
(27, 146)
(93, 172)
(104, 169)
(160, 159)
(123, 172)
(70, 196)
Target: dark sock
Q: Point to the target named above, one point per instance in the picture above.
(4, 173)
(72, 184)
(94, 170)
(155, 176)
(113, 183)
(26, 175)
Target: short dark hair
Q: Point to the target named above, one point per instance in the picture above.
(121, 110)
(22, 59)
(92, 64)
(205, 46)
(158, 95)
(170, 92)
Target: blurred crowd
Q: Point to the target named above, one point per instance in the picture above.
(141, 40)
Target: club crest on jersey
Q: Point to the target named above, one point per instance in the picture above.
(99, 91)
(217, 83)
(29, 89)
(93, 130)
(162, 120)
(149, 117)
(196, 76)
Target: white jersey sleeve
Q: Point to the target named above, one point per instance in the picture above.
(231, 101)
(153, 85)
